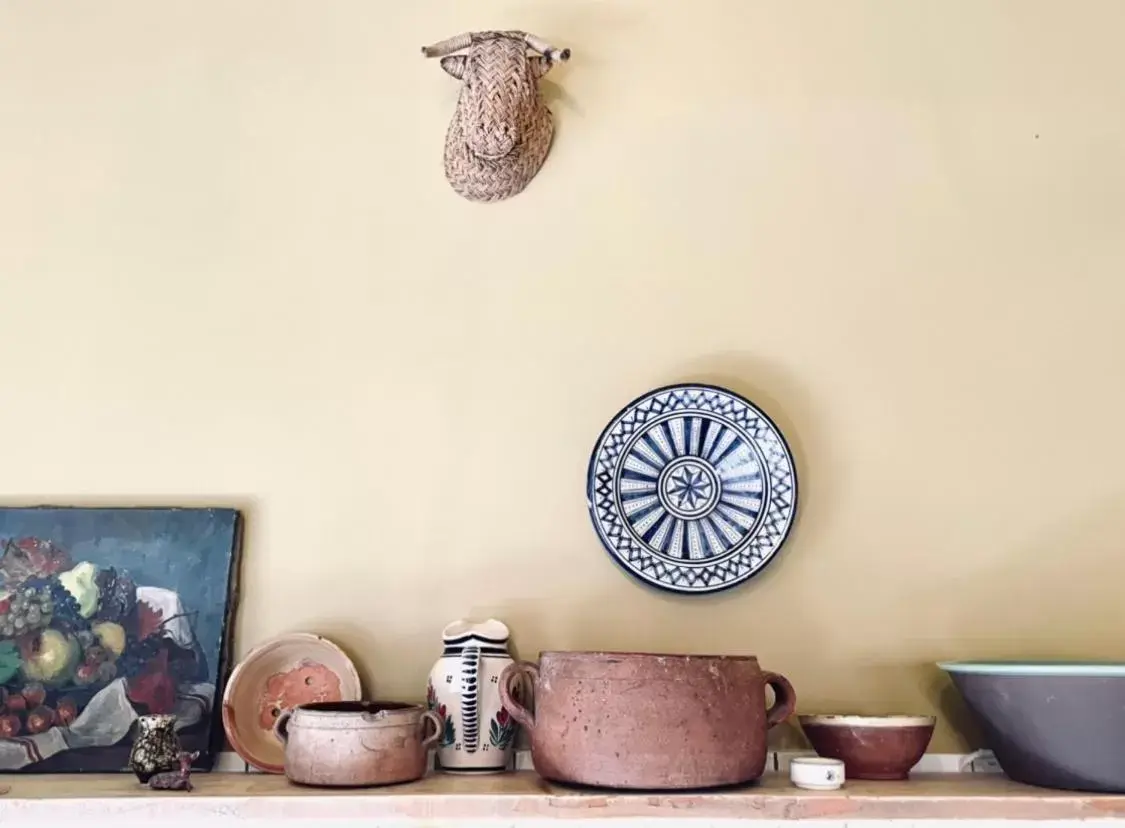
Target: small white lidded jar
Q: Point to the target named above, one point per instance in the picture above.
(815, 773)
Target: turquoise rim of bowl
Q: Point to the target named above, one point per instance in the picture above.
(1035, 668)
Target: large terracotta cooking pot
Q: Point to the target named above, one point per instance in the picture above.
(642, 720)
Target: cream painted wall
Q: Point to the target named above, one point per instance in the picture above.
(233, 273)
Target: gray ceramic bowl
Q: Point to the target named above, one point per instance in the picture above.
(1051, 724)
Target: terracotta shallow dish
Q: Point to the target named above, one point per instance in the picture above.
(293, 669)
(871, 747)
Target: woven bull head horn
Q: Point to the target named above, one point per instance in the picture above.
(501, 131)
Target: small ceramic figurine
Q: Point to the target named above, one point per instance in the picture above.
(156, 747)
(177, 780)
(477, 733)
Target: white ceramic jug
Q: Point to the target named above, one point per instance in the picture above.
(478, 735)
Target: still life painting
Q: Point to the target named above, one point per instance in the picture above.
(108, 614)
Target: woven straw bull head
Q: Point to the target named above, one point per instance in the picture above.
(501, 131)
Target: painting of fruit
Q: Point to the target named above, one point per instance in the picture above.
(107, 615)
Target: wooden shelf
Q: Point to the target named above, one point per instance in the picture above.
(238, 798)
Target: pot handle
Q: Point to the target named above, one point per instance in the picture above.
(433, 718)
(281, 726)
(508, 680)
(784, 698)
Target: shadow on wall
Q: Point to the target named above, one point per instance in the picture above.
(1053, 606)
(786, 403)
(594, 31)
(556, 97)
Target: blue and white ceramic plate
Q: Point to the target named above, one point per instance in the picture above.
(692, 489)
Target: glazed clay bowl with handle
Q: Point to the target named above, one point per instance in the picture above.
(356, 744)
(647, 721)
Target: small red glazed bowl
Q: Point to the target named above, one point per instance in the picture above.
(871, 747)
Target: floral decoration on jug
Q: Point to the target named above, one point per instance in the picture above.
(463, 690)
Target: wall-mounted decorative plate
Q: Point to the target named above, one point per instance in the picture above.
(692, 489)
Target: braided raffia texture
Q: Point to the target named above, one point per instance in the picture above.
(501, 131)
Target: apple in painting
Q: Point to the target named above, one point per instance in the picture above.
(34, 693)
(66, 711)
(40, 719)
(111, 636)
(51, 657)
(9, 726)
